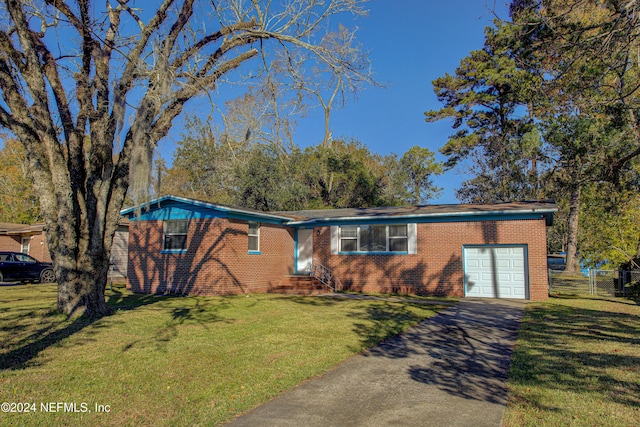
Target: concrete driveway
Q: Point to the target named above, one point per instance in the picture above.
(449, 370)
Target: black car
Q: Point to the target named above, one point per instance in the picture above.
(19, 267)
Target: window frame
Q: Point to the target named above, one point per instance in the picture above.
(25, 249)
(359, 235)
(355, 238)
(256, 237)
(398, 238)
(166, 234)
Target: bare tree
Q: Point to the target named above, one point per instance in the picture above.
(330, 83)
(90, 89)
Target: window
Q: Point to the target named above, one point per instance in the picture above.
(374, 238)
(254, 237)
(349, 238)
(175, 235)
(26, 242)
(398, 238)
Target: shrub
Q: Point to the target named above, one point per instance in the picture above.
(633, 290)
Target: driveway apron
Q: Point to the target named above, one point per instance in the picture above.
(449, 370)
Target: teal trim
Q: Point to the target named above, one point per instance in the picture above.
(172, 207)
(373, 253)
(255, 253)
(399, 220)
(173, 251)
(175, 209)
(168, 213)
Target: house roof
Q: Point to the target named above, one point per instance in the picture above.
(449, 212)
(543, 208)
(11, 228)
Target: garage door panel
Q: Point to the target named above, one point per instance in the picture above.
(495, 272)
(507, 277)
(486, 277)
(473, 263)
(504, 263)
(519, 293)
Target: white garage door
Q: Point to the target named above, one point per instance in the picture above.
(495, 272)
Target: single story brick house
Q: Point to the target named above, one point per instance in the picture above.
(185, 246)
(32, 240)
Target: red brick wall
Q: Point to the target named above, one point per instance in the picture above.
(10, 243)
(39, 248)
(216, 262)
(437, 267)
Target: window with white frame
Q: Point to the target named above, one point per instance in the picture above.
(374, 238)
(398, 238)
(175, 234)
(254, 236)
(26, 243)
(349, 238)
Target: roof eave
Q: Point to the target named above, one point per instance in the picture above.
(546, 213)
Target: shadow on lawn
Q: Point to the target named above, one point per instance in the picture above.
(118, 300)
(382, 319)
(51, 332)
(578, 350)
(41, 339)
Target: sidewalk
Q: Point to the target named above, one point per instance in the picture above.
(449, 370)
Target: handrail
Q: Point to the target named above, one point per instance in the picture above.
(323, 274)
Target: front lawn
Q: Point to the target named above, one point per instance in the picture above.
(576, 363)
(176, 360)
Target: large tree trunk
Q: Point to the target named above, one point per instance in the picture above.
(82, 279)
(80, 233)
(572, 265)
(82, 293)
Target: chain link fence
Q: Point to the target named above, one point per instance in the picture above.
(597, 282)
(604, 282)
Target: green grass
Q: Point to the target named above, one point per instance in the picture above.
(576, 363)
(178, 360)
(574, 284)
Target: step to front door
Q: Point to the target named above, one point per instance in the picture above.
(300, 284)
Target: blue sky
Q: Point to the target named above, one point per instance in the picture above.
(411, 43)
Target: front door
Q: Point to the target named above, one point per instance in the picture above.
(305, 251)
